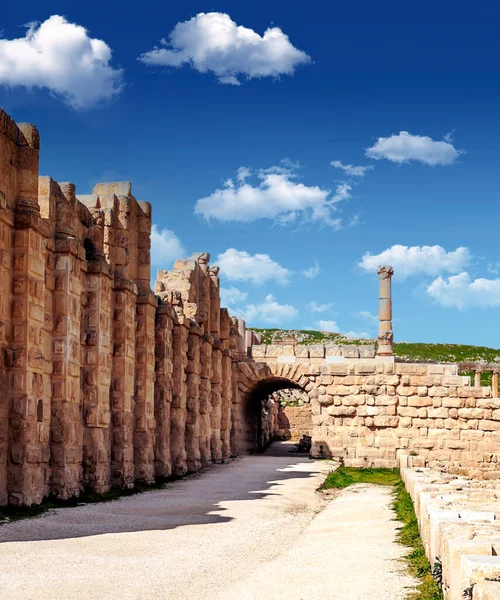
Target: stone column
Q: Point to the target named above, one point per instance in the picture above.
(193, 381)
(144, 429)
(163, 387)
(178, 410)
(385, 335)
(494, 385)
(96, 375)
(123, 383)
(205, 399)
(226, 395)
(477, 378)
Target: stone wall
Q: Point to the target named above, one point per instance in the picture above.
(294, 418)
(458, 519)
(102, 381)
(369, 409)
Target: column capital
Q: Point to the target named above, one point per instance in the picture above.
(385, 272)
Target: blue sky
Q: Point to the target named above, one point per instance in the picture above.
(337, 82)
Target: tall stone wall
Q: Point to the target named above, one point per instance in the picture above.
(102, 381)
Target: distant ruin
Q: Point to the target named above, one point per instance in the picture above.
(105, 382)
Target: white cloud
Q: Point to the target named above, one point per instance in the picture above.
(354, 221)
(313, 271)
(366, 315)
(493, 268)
(351, 170)
(460, 291)
(61, 57)
(404, 147)
(327, 326)
(238, 265)
(166, 247)
(214, 42)
(232, 295)
(417, 260)
(243, 173)
(270, 312)
(320, 308)
(276, 195)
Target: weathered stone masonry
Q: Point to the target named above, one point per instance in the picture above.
(103, 382)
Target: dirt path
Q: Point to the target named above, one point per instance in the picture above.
(253, 529)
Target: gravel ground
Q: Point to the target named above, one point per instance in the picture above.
(253, 529)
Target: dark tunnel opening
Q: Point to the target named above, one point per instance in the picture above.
(263, 415)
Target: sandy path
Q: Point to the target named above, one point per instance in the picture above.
(248, 530)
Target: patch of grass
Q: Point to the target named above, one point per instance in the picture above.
(408, 535)
(11, 513)
(345, 476)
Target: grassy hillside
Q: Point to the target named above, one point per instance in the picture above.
(404, 350)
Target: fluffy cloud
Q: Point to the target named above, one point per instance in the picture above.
(366, 315)
(417, 260)
(351, 170)
(214, 42)
(276, 195)
(320, 308)
(313, 271)
(61, 57)
(232, 295)
(270, 312)
(460, 291)
(327, 326)
(238, 265)
(166, 247)
(405, 147)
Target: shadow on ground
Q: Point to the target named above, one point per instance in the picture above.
(196, 499)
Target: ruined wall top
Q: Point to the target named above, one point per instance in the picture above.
(327, 352)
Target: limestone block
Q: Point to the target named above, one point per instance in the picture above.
(350, 351)
(366, 351)
(273, 350)
(333, 350)
(316, 351)
(259, 351)
(386, 421)
(341, 411)
(365, 368)
(301, 351)
(486, 590)
(476, 569)
(418, 401)
(453, 550)
(338, 369)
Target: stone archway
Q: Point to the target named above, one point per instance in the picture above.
(256, 382)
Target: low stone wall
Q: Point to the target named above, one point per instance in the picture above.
(367, 410)
(294, 422)
(459, 524)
